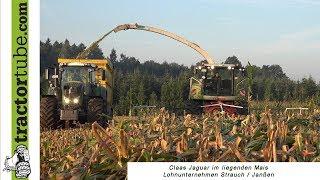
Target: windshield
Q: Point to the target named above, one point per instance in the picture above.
(76, 73)
(217, 82)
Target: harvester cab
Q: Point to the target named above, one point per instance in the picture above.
(215, 87)
(79, 90)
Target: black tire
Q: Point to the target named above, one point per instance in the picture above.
(96, 109)
(49, 118)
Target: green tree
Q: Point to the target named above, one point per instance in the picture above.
(267, 92)
(65, 51)
(45, 49)
(233, 60)
(310, 87)
(165, 94)
(140, 94)
(113, 56)
(96, 53)
(153, 99)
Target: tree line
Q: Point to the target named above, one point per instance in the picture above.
(167, 84)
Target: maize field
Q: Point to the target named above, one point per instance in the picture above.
(92, 152)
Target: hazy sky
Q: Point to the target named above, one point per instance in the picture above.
(266, 32)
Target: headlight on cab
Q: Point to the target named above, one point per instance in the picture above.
(66, 100)
(76, 100)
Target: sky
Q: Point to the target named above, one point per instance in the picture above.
(262, 32)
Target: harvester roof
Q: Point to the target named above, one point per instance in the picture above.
(100, 63)
(226, 66)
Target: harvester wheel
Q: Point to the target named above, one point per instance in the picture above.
(96, 109)
(49, 118)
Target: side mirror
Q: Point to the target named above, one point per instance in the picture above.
(46, 74)
(103, 75)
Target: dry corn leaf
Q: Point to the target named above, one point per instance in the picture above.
(164, 145)
(189, 131)
(70, 158)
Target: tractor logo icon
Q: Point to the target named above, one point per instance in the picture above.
(19, 162)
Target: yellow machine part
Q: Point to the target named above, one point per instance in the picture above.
(100, 63)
